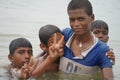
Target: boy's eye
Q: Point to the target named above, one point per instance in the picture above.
(104, 33)
(21, 52)
(96, 32)
(50, 43)
(71, 19)
(81, 18)
(30, 52)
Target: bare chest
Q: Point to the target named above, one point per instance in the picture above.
(77, 49)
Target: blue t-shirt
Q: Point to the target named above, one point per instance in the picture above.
(96, 57)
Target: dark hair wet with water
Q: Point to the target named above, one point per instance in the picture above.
(17, 43)
(99, 24)
(79, 4)
(46, 32)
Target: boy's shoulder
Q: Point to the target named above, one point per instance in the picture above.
(67, 32)
(41, 56)
(101, 48)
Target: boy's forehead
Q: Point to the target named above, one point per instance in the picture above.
(57, 33)
(23, 48)
(76, 12)
(100, 28)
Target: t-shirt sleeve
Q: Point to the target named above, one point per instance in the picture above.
(104, 60)
(67, 32)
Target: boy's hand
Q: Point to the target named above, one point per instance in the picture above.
(32, 65)
(57, 48)
(24, 72)
(110, 54)
(27, 69)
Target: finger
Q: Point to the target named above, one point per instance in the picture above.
(110, 53)
(55, 39)
(61, 52)
(51, 50)
(113, 62)
(111, 49)
(24, 67)
(23, 73)
(31, 61)
(111, 57)
(61, 41)
(35, 63)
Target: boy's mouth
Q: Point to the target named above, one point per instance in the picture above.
(26, 62)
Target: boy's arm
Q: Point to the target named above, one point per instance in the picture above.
(106, 65)
(107, 73)
(55, 51)
(41, 67)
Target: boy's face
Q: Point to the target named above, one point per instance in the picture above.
(101, 34)
(80, 21)
(21, 56)
(51, 41)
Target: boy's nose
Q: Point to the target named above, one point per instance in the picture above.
(76, 23)
(100, 35)
(27, 55)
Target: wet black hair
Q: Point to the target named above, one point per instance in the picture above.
(99, 24)
(79, 4)
(46, 32)
(17, 43)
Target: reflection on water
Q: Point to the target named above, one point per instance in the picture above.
(55, 76)
(63, 76)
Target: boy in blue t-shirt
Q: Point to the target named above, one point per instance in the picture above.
(82, 47)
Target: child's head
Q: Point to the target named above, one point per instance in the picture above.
(46, 34)
(20, 52)
(81, 15)
(101, 30)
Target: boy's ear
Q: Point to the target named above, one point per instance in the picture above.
(92, 17)
(10, 57)
(43, 47)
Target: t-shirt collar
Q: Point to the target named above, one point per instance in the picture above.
(84, 53)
